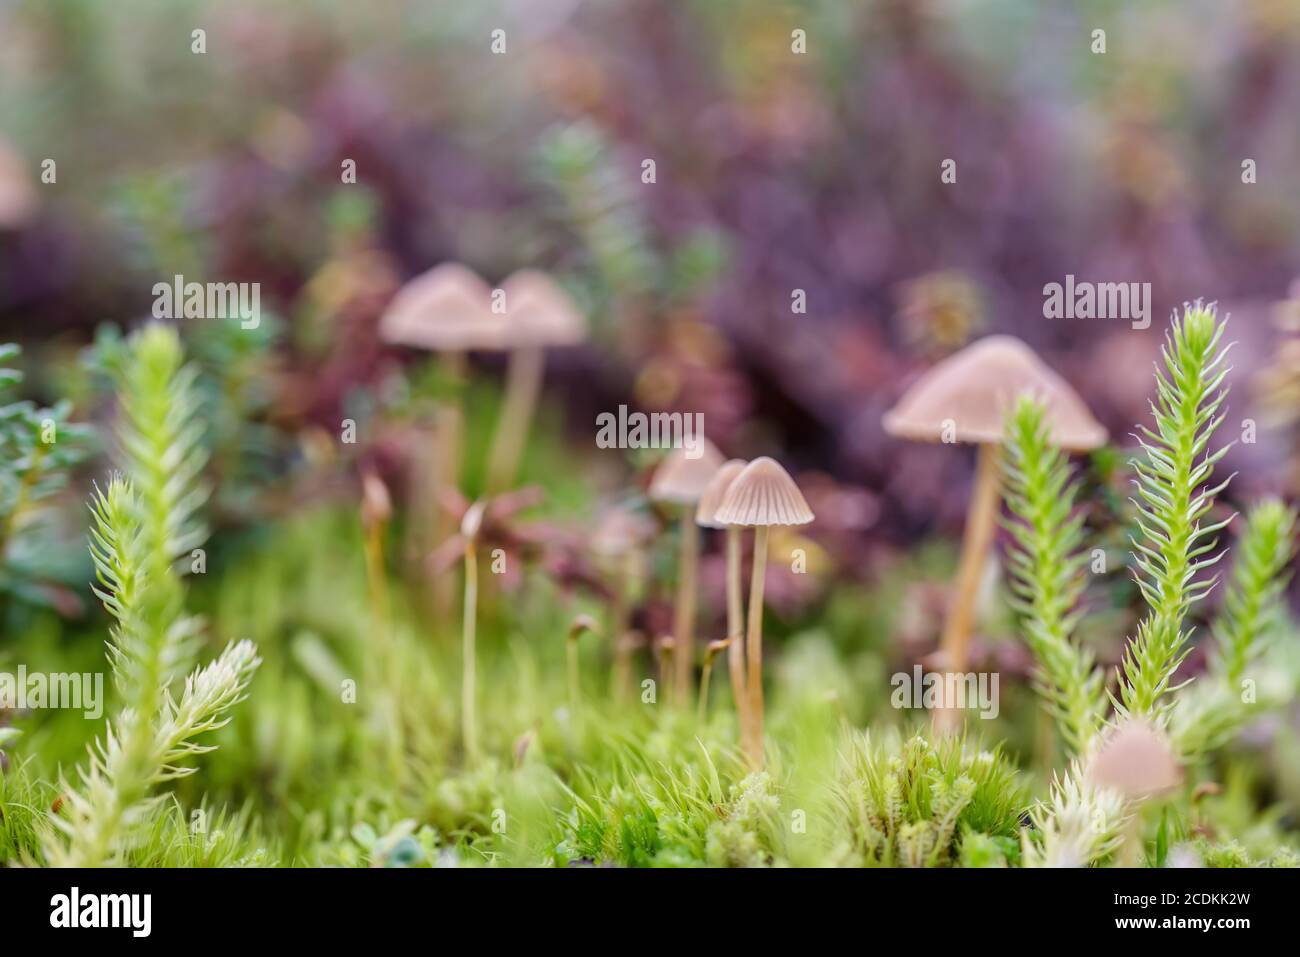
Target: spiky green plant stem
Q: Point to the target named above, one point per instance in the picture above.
(142, 526)
(1251, 605)
(1223, 700)
(1174, 498)
(1047, 576)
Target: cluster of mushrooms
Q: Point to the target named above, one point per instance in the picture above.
(730, 496)
(451, 311)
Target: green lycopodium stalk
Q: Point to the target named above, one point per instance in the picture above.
(1047, 572)
(1173, 500)
(1222, 701)
(1251, 607)
(142, 526)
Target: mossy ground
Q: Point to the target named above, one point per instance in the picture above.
(304, 775)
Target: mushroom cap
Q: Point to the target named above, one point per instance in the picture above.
(17, 196)
(376, 503)
(540, 313)
(620, 530)
(763, 494)
(471, 523)
(681, 480)
(1137, 760)
(446, 308)
(715, 491)
(976, 387)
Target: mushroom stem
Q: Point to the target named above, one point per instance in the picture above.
(469, 729)
(523, 385)
(581, 625)
(618, 622)
(684, 620)
(446, 453)
(754, 649)
(1130, 846)
(702, 705)
(664, 652)
(575, 686)
(448, 431)
(981, 520)
(735, 628)
(374, 555)
(702, 711)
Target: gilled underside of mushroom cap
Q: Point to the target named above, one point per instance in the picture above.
(446, 308)
(715, 491)
(681, 480)
(966, 398)
(763, 494)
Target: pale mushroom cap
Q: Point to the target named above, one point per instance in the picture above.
(763, 494)
(681, 480)
(446, 308)
(472, 521)
(540, 313)
(715, 491)
(1137, 760)
(17, 195)
(376, 503)
(619, 531)
(972, 391)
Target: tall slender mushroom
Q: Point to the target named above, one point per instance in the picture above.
(664, 647)
(964, 399)
(680, 481)
(470, 525)
(711, 651)
(619, 543)
(445, 310)
(582, 625)
(376, 511)
(1137, 760)
(706, 516)
(17, 196)
(762, 495)
(540, 315)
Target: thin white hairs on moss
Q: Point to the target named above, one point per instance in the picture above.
(1173, 498)
(143, 523)
(1079, 825)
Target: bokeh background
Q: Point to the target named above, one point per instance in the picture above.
(775, 171)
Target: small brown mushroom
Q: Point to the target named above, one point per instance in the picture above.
(679, 481)
(471, 524)
(17, 196)
(376, 510)
(711, 651)
(706, 517)
(762, 495)
(664, 647)
(619, 540)
(1137, 760)
(582, 625)
(447, 311)
(965, 398)
(540, 315)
